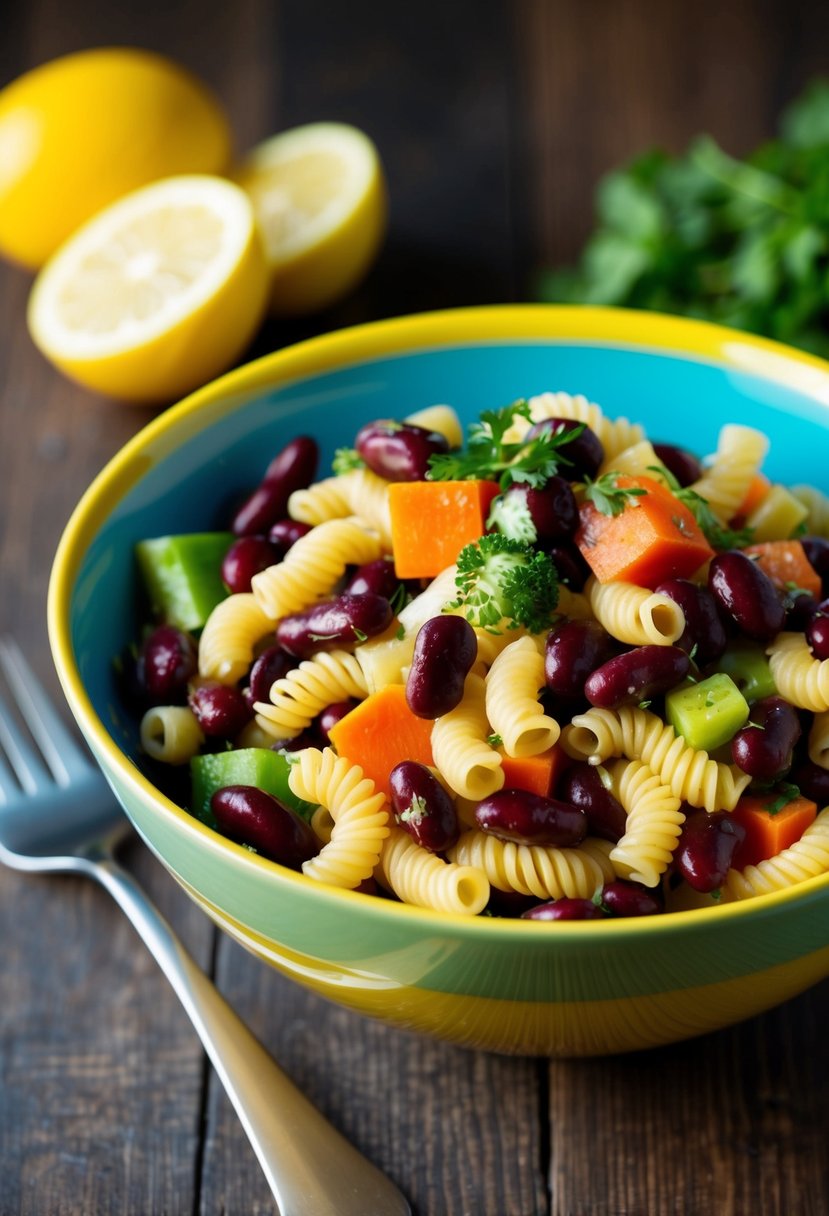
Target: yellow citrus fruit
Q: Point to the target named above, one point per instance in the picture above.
(81, 131)
(156, 294)
(320, 199)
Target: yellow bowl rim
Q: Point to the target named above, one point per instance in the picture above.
(478, 325)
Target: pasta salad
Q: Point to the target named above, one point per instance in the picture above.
(561, 671)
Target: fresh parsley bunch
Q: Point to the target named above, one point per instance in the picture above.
(741, 242)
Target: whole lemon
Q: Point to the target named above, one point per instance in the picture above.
(81, 131)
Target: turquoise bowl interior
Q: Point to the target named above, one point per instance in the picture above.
(518, 989)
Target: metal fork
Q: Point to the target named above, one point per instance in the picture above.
(57, 814)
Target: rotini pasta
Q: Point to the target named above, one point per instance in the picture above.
(740, 452)
(806, 858)
(419, 877)
(229, 637)
(799, 677)
(653, 826)
(637, 734)
(639, 459)
(297, 698)
(512, 704)
(614, 434)
(313, 566)
(635, 615)
(545, 872)
(819, 740)
(171, 734)
(358, 493)
(359, 812)
(817, 505)
(459, 745)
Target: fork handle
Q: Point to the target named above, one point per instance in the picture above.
(312, 1170)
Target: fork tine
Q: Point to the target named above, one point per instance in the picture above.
(56, 744)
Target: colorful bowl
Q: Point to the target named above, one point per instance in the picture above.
(568, 988)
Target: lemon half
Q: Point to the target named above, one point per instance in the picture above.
(78, 133)
(320, 199)
(157, 294)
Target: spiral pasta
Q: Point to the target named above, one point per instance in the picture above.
(512, 705)
(360, 493)
(639, 459)
(359, 812)
(817, 504)
(440, 418)
(297, 698)
(653, 825)
(170, 734)
(614, 434)
(419, 877)
(819, 740)
(229, 636)
(538, 870)
(638, 734)
(806, 858)
(740, 452)
(313, 566)
(635, 615)
(470, 766)
(800, 678)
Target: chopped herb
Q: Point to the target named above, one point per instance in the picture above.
(787, 793)
(608, 497)
(401, 633)
(494, 740)
(323, 637)
(644, 704)
(802, 529)
(400, 598)
(716, 894)
(756, 725)
(490, 456)
(359, 635)
(346, 460)
(415, 812)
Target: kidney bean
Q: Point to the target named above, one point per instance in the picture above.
(510, 903)
(292, 469)
(573, 651)
(166, 661)
(221, 709)
(585, 452)
(684, 465)
(376, 578)
(621, 898)
(812, 781)
(285, 533)
(246, 557)
(817, 635)
(338, 622)
(250, 816)
(799, 611)
(764, 747)
(528, 818)
(272, 664)
(331, 715)
(706, 848)
(565, 909)
(445, 649)
(747, 595)
(703, 626)
(422, 806)
(399, 451)
(570, 566)
(552, 508)
(582, 786)
(637, 675)
(310, 737)
(816, 549)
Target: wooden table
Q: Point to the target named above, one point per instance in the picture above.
(494, 121)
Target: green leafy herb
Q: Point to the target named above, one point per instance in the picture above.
(490, 456)
(608, 497)
(346, 460)
(717, 536)
(359, 635)
(499, 579)
(400, 598)
(494, 740)
(644, 704)
(401, 633)
(740, 242)
(786, 794)
(322, 637)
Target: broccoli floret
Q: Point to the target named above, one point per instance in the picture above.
(511, 515)
(500, 579)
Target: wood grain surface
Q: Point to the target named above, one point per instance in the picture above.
(494, 120)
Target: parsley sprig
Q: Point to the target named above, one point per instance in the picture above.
(608, 496)
(490, 456)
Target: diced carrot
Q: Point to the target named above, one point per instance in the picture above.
(538, 774)
(655, 537)
(380, 732)
(786, 564)
(769, 833)
(431, 521)
(759, 487)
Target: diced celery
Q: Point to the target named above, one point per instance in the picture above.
(183, 575)
(748, 667)
(259, 766)
(707, 714)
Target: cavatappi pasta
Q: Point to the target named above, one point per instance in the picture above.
(454, 668)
